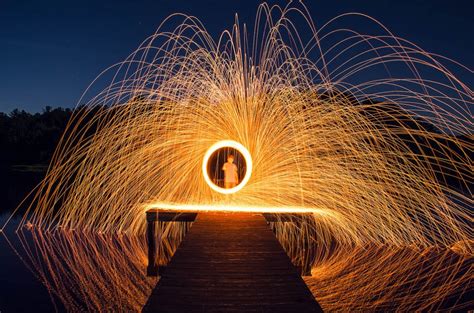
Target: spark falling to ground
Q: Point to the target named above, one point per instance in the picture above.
(369, 133)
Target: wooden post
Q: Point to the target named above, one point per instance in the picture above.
(152, 269)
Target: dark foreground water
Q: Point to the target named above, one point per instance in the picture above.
(74, 271)
(20, 290)
(68, 271)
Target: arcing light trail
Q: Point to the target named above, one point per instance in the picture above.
(337, 123)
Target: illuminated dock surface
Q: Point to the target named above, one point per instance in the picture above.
(230, 262)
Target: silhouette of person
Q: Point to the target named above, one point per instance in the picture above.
(231, 176)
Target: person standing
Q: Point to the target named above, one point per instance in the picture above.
(231, 175)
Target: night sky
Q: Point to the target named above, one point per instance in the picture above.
(51, 50)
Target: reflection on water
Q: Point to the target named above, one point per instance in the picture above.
(93, 272)
(383, 278)
(345, 277)
(103, 272)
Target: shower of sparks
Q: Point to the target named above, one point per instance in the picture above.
(338, 124)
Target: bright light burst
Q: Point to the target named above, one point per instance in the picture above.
(337, 123)
(248, 161)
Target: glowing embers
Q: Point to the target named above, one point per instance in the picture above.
(227, 166)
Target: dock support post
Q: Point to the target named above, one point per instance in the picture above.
(152, 268)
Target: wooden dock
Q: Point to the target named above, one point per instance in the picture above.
(230, 262)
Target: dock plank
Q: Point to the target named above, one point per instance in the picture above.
(230, 262)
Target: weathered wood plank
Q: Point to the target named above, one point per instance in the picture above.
(230, 262)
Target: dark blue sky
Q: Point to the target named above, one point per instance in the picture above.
(51, 50)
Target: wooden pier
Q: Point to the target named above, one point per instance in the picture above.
(228, 262)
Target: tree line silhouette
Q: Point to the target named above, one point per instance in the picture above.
(28, 138)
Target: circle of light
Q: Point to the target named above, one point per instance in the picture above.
(231, 144)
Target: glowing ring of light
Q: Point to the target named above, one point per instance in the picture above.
(230, 144)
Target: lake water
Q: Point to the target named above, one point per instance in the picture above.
(76, 271)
